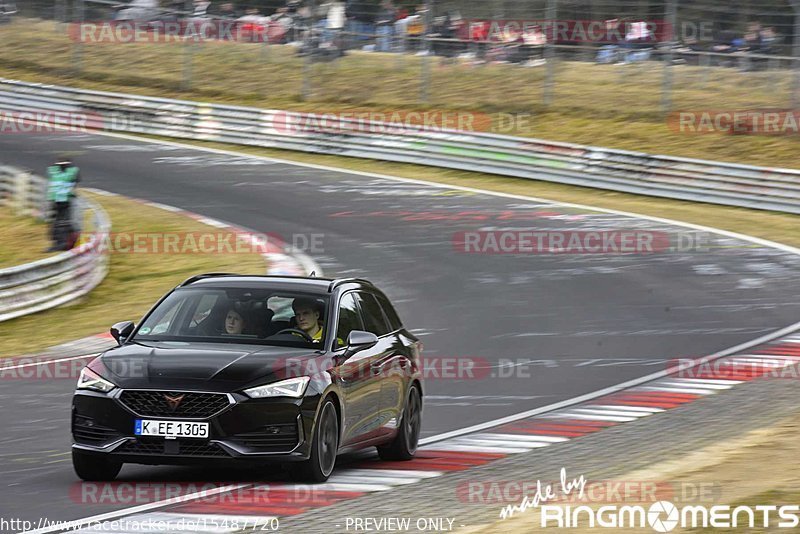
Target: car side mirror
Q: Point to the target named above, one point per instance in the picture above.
(359, 340)
(122, 331)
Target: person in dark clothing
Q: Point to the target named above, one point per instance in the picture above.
(63, 176)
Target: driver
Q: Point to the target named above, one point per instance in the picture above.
(307, 315)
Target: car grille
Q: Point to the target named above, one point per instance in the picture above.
(185, 448)
(272, 438)
(84, 430)
(155, 403)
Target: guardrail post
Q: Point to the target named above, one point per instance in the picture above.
(551, 13)
(671, 16)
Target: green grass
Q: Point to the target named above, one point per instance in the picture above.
(606, 105)
(25, 239)
(133, 284)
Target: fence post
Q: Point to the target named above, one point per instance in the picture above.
(551, 13)
(671, 17)
(795, 84)
(424, 90)
(77, 48)
(188, 51)
(308, 43)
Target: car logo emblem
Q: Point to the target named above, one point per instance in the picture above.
(173, 402)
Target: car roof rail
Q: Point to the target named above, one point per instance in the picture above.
(340, 281)
(197, 277)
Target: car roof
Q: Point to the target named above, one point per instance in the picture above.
(299, 283)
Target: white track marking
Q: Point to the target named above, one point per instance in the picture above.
(399, 473)
(589, 417)
(44, 362)
(328, 486)
(500, 441)
(720, 381)
(689, 391)
(626, 408)
(524, 437)
(676, 383)
(374, 479)
(617, 412)
(471, 448)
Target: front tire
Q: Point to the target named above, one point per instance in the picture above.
(404, 445)
(94, 467)
(324, 447)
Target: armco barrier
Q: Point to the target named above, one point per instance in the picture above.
(59, 279)
(618, 170)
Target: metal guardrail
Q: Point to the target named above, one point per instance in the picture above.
(603, 168)
(53, 281)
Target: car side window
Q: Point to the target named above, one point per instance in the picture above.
(394, 320)
(372, 315)
(349, 319)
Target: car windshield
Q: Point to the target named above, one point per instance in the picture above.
(237, 315)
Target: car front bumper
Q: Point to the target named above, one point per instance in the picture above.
(259, 430)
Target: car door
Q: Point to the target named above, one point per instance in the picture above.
(360, 387)
(384, 366)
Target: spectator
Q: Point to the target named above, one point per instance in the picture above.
(361, 17)
(384, 25)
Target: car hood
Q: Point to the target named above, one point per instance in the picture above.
(218, 367)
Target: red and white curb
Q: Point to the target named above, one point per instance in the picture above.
(281, 258)
(460, 453)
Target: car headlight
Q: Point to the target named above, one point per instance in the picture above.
(293, 387)
(91, 380)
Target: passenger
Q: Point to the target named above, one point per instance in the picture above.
(234, 322)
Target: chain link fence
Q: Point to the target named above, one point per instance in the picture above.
(637, 58)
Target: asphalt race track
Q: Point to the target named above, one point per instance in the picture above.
(537, 328)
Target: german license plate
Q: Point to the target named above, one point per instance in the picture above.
(170, 429)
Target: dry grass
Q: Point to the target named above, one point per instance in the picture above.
(133, 284)
(25, 239)
(606, 105)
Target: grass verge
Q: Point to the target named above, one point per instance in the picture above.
(25, 239)
(133, 284)
(605, 105)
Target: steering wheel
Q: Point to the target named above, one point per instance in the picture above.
(295, 331)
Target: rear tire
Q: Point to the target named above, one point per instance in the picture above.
(404, 445)
(94, 467)
(324, 447)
